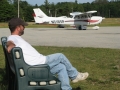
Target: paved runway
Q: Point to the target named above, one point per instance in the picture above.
(105, 37)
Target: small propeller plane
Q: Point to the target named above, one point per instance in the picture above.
(78, 19)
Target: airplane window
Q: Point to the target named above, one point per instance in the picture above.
(78, 17)
(75, 17)
(89, 16)
(71, 16)
(84, 16)
(81, 16)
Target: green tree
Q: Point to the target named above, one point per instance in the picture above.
(10, 1)
(106, 8)
(47, 7)
(76, 2)
(26, 11)
(29, 12)
(6, 11)
(53, 10)
(101, 1)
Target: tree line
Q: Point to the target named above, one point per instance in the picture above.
(105, 8)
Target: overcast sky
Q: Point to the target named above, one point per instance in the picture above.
(39, 2)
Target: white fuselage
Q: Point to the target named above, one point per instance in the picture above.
(71, 21)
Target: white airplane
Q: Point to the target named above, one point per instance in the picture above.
(77, 19)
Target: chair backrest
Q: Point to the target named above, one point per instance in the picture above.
(9, 69)
(8, 60)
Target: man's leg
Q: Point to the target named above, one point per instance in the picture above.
(60, 70)
(55, 59)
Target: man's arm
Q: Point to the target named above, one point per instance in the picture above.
(10, 45)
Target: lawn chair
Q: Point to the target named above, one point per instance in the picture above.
(9, 68)
(28, 77)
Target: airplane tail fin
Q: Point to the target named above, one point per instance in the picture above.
(39, 13)
(37, 19)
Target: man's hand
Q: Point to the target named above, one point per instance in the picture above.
(10, 45)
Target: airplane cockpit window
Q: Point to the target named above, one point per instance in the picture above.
(84, 16)
(77, 17)
(89, 15)
(71, 16)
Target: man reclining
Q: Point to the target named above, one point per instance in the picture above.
(59, 64)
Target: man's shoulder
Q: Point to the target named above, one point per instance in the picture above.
(12, 37)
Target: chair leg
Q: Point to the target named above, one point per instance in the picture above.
(15, 84)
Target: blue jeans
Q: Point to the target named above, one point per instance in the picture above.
(61, 66)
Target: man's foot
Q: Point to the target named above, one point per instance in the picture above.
(80, 76)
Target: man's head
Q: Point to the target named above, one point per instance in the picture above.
(17, 25)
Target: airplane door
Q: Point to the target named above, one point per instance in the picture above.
(89, 18)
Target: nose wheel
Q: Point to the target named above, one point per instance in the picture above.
(96, 27)
(81, 27)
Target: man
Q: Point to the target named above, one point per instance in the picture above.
(58, 63)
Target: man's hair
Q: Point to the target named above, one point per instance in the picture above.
(14, 22)
(12, 28)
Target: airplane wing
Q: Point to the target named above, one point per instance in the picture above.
(80, 13)
(75, 13)
(91, 12)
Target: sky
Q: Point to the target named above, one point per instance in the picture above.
(40, 2)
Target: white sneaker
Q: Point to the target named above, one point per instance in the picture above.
(80, 76)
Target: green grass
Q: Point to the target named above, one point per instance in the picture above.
(103, 66)
(110, 22)
(105, 22)
(31, 25)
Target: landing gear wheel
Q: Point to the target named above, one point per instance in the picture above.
(80, 27)
(61, 26)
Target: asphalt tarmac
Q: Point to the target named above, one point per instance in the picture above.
(105, 37)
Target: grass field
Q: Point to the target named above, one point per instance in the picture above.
(103, 66)
(105, 22)
(110, 22)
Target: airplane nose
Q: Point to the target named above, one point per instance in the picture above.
(96, 19)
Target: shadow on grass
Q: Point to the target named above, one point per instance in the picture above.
(3, 79)
(78, 88)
